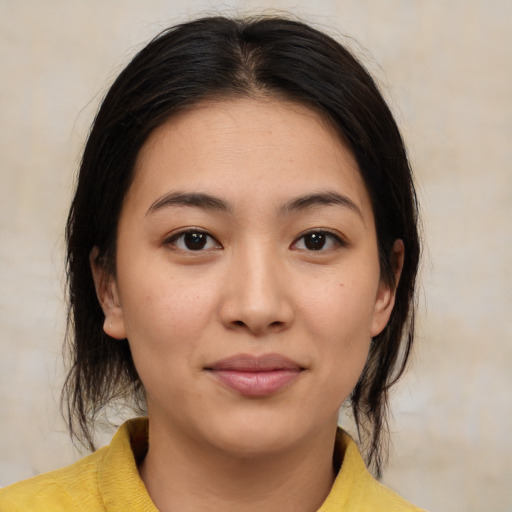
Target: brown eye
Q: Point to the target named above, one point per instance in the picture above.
(317, 241)
(194, 240)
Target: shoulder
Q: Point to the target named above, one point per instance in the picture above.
(355, 489)
(72, 488)
(106, 480)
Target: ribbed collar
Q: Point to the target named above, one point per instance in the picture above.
(119, 481)
(122, 488)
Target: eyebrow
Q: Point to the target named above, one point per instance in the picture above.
(197, 199)
(208, 202)
(321, 199)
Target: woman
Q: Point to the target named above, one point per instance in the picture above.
(242, 253)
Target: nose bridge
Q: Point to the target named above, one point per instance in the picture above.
(257, 297)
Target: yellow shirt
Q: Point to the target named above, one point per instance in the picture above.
(108, 481)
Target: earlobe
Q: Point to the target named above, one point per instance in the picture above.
(385, 300)
(108, 297)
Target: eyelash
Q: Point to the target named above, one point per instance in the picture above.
(323, 236)
(173, 240)
(334, 238)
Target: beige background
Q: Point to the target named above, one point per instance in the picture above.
(446, 67)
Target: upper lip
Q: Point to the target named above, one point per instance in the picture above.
(251, 363)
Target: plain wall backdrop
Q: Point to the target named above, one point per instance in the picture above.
(446, 69)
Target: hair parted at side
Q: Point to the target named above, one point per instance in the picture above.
(218, 57)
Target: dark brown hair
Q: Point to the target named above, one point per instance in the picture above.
(219, 57)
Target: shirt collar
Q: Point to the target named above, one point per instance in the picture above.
(122, 488)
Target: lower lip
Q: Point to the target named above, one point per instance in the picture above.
(256, 383)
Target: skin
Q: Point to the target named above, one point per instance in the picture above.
(254, 288)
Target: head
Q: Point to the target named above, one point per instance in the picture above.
(214, 60)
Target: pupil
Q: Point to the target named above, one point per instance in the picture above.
(195, 241)
(315, 241)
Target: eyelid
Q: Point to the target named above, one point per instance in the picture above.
(170, 240)
(333, 235)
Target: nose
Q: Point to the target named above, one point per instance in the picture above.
(256, 296)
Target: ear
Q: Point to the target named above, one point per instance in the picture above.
(386, 293)
(108, 297)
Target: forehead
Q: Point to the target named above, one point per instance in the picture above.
(266, 147)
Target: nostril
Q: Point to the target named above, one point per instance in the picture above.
(273, 325)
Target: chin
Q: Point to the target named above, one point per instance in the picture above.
(254, 445)
(256, 435)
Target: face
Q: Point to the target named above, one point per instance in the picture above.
(247, 276)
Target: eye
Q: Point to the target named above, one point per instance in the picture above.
(193, 240)
(317, 241)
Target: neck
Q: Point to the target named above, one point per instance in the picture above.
(180, 475)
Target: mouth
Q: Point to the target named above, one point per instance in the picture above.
(256, 376)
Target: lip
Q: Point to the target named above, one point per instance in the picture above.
(256, 376)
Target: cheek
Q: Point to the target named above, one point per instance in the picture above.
(342, 308)
(340, 317)
(165, 315)
(165, 327)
